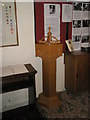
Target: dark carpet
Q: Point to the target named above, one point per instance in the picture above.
(71, 106)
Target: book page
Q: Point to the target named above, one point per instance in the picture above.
(17, 69)
(12, 70)
(6, 71)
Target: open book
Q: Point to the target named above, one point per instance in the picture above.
(69, 44)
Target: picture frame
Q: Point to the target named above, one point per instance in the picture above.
(69, 45)
(9, 25)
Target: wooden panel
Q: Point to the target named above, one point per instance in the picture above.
(76, 71)
(89, 71)
(69, 72)
(49, 77)
(82, 72)
(18, 81)
(49, 50)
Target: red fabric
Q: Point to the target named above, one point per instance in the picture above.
(39, 23)
(39, 20)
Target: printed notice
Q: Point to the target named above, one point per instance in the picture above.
(66, 13)
(52, 19)
(77, 15)
(80, 25)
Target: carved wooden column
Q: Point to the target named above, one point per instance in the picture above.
(49, 53)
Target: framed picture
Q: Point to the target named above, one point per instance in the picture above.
(69, 45)
(9, 25)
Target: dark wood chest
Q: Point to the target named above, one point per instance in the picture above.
(77, 71)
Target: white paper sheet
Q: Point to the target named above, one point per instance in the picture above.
(66, 13)
(55, 30)
(12, 70)
(6, 71)
(77, 15)
(85, 15)
(76, 31)
(52, 19)
(17, 69)
(85, 45)
(76, 45)
(80, 30)
(85, 31)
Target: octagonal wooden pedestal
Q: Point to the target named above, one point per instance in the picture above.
(49, 53)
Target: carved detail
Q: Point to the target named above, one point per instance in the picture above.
(49, 38)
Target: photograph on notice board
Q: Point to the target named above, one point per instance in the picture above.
(69, 45)
(76, 23)
(85, 39)
(86, 6)
(76, 38)
(85, 23)
(52, 9)
(80, 24)
(77, 6)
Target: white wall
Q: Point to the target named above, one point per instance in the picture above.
(25, 52)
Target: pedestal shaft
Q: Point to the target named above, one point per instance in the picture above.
(49, 77)
(49, 53)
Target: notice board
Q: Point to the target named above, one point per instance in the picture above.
(39, 23)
